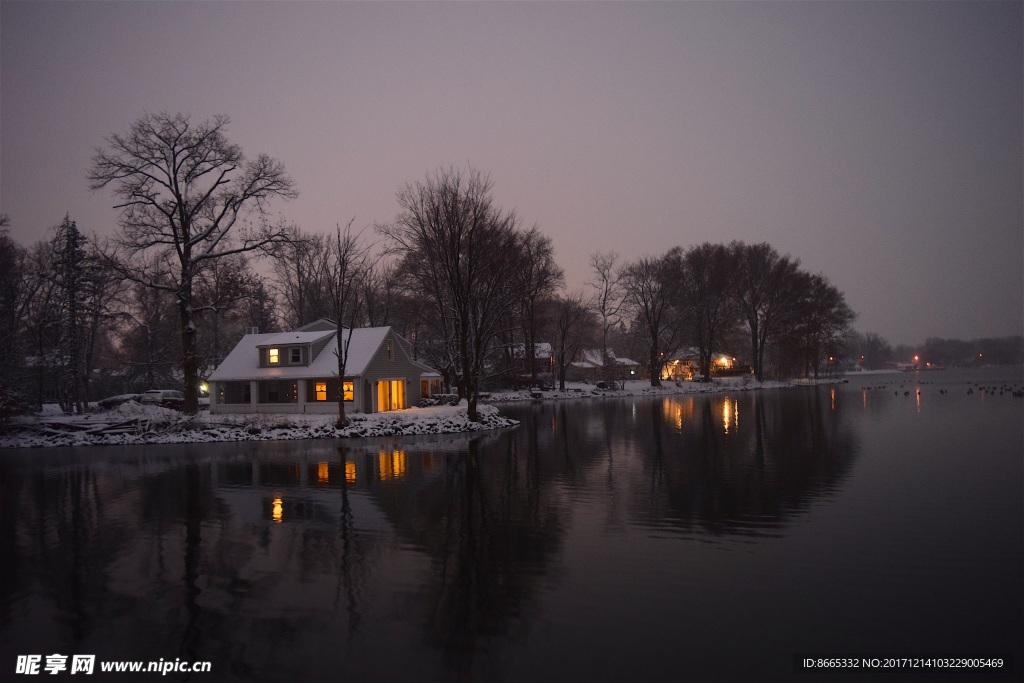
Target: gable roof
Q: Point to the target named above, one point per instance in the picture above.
(243, 361)
(286, 338)
(592, 359)
(321, 325)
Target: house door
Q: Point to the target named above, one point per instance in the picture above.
(390, 395)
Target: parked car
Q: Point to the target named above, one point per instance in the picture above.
(115, 401)
(168, 398)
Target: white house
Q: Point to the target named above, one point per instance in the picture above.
(297, 372)
(591, 364)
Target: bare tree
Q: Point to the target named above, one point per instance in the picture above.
(458, 246)
(573, 325)
(224, 286)
(300, 279)
(607, 301)
(823, 320)
(541, 277)
(148, 344)
(705, 295)
(344, 265)
(186, 190)
(764, 286)
(379, 293)
(17, 291)
(651, 286)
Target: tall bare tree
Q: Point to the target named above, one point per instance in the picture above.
(651, 288)
(299, 277)
(380, 293)
(17, 290)
(765, 287)
(822, 322)
(541, 278)
(186, 190)
(607, 300)
(707, 269)
(573, 327)
(344, 264)
(458, 246)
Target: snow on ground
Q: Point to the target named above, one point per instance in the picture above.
(132, 423)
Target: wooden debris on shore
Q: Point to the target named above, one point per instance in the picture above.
(140, 424)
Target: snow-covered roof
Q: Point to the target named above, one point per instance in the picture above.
(243, 361)
(540, 350)
(285, 338)
(592, 359)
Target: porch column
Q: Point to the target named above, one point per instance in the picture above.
(254, 394)
(301, 389)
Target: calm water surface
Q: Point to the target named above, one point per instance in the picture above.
(682, 538)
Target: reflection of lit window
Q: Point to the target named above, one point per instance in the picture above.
(350, 472)
(278, 511)
(726, 415)
(348, 388)
(322, 473)
(273, 356)
(321, 391)
(391, 464)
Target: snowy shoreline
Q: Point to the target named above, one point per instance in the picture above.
(134, 424)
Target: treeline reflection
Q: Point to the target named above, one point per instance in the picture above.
(286, 558)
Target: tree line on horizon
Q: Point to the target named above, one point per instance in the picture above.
(163, 301)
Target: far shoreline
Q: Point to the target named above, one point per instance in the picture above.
(132, 424)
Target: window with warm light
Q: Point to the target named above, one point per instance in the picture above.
(273, 356)
(321, 391)
(348, 390)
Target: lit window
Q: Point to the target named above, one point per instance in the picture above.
(348, 388)
(321, 391)
(273, 356)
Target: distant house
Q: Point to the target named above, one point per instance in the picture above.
(685, 364)
(297, 372)
(590, 366)
(543, 358)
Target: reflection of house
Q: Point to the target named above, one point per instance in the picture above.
(297, 372)
(591, 365)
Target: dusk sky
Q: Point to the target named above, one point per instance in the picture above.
(881, 143)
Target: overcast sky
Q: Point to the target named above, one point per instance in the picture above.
(880, 143)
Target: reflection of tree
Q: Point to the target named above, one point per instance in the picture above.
(490, 527)
(720, 464)
(348, 575)
(746, 478)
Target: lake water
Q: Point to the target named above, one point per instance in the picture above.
(682, 538)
